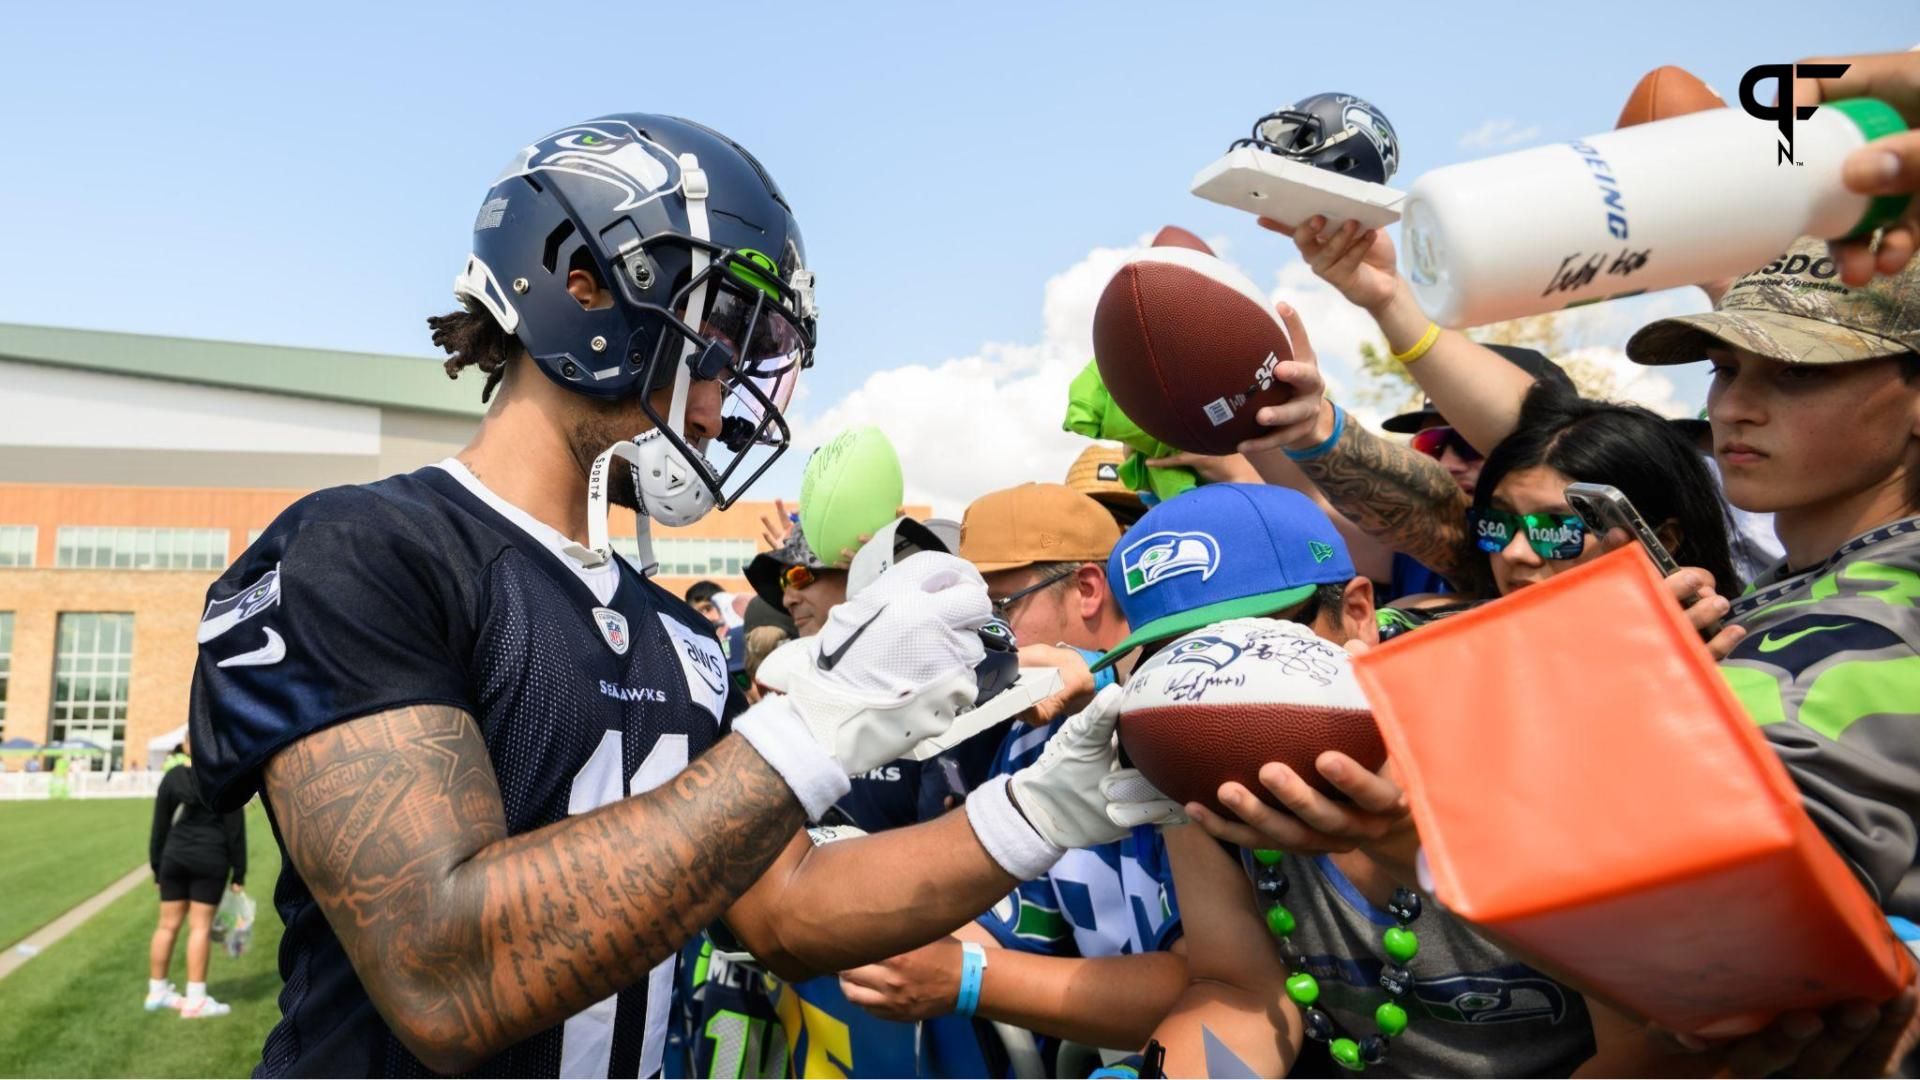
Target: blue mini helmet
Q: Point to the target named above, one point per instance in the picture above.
(706, 268)
(1337, 132)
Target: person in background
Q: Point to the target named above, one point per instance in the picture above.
(1750, 536)
(1434, 437)
(1091, 952)
(1096, 474)
(191, 851)
(701, 596)
(798, 583)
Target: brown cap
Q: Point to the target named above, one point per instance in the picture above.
(1035, 523)
(1796, 310)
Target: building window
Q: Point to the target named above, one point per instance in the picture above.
(6, 662)
(702, 558)
(17, 543)
(92, 664)
(109, 547)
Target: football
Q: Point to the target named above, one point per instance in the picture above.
(1217, 704)
(1667, 92)
(852, 487)
(1187, 347)
(1175, 236)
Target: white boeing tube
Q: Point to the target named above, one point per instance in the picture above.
(1675, 202)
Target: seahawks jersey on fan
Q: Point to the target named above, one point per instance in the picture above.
(1111, 900)
(426, 588)
(1830, 669)
(1475, 1010)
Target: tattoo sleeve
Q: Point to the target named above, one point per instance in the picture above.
(1400, 497)
(468, 940)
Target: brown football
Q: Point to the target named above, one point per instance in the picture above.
(1187, 346)
(1221, 702)
(1667, 92)
(1175, 236)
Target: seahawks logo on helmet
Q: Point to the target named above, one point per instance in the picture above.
(610, 151)
(1212, 652)
(1359, 116)
(1158, 556)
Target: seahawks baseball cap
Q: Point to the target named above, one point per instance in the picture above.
(1532, 361)
(1221, 551)
(1796, 310)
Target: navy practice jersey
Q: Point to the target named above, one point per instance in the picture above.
(419, 590)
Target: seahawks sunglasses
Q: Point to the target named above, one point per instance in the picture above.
(1552, 536)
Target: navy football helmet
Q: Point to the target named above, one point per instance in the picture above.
(708, 278)
(1337, 132)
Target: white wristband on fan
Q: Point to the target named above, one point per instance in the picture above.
(1013, 843)
(779, 735)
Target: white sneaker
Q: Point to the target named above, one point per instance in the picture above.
(166, 999)
(202, 1009)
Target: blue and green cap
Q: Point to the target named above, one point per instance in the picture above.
(1221, 551)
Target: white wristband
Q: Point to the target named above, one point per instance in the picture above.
(778, 734)
(1013, 843)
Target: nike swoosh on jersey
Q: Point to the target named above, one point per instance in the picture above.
(274, 651)
(830, 657)
(1769, 643)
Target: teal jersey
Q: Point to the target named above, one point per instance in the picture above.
(1830, 670)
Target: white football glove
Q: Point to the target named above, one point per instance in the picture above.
(892, 666)
(1075, 796)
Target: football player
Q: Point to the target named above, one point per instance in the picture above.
(496, 756)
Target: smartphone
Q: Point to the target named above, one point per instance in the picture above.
(1603, 508)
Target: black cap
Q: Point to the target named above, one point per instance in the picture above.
(1531, 361)
(766, 568)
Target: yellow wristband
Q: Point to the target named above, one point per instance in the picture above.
(1420, 347)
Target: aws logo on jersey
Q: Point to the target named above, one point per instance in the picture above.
(1158, 556)
(701, 661)
(610, 151)
(613, 627)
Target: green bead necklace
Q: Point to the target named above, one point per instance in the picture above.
(1399, 943)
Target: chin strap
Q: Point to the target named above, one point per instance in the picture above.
(600, 549)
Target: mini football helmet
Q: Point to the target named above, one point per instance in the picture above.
(1337, 132)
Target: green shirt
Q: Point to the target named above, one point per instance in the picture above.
(1830, 670)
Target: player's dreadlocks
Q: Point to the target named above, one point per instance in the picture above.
(474, 340)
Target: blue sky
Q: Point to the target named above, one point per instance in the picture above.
(309, 176)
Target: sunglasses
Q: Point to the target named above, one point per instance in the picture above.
(797, 577)
(1551, 536)
(1434, 441)
(1004, 606)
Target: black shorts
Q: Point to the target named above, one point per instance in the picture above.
(181, 883)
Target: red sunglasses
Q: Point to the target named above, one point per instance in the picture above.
(797, 577)
(1434, 441)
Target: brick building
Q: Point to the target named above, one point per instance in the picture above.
(134, 468)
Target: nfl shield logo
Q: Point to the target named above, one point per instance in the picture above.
(613, 627)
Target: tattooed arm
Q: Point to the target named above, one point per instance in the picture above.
(468, 940)
(1393, 493)
(860, 901)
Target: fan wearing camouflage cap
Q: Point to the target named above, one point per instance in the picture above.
(1815, 410)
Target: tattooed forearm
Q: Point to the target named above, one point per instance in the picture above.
(1402, 498)
(468, 940)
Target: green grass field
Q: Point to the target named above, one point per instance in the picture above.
(74, 1010)
(55, 854)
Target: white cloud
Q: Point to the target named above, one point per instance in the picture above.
(1499, 134)
(973, 424)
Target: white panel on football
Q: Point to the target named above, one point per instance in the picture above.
(55, 407)
(1290, 192)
